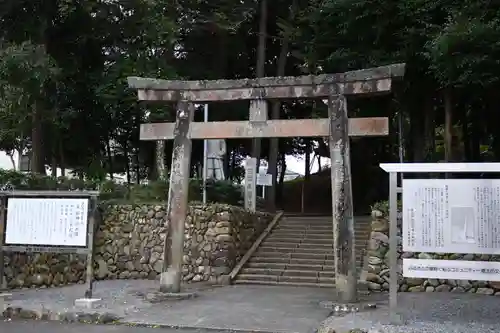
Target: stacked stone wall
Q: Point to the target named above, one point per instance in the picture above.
(129, 245)
(378, 264)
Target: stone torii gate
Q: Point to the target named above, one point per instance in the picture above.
(334, 87)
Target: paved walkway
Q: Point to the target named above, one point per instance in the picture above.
(241, 307)
(248, 308)
(55, 327)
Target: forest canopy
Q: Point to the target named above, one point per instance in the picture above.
(64, 64)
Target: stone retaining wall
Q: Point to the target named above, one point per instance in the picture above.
(129, 245)
(378, 265)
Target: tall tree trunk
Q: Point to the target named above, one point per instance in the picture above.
(422, 130)
(448, 124)
(275, 113)
(233, 165)
(475, 135)
(282, 178)
(54, 144)
(429, 128)
(168, 154)
(417, 131)
(109, 157)
(222, 70)
(260, 68)
(37, 153)
(137, 167)
(492, 125)
(62, 159)
(127, 162)
(464, 121)
(307, 175)
(227, 162)
(53, 166)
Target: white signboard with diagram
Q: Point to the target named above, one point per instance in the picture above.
(451, 215)
(47, 221)
(442, 216)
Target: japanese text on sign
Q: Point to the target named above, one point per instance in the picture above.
(451, 215)
(452, 269)
(47, 221)
(250, 182)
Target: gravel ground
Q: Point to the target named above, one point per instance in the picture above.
(428, 312)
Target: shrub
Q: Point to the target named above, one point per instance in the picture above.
(154, 191)
(383, 206)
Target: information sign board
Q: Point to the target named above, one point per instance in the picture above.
(451, 215)
(47, 221)
(452, 269)
(443, 216)
(264, 179)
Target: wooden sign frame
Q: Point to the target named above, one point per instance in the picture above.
(27, 248)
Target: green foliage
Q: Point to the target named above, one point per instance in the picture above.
(217, 191)
(383, 206)
(26, 74)
(155, 191)
(13, 180)
(67, 62)
(466, 52)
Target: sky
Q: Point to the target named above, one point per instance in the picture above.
(5, 162)
(295, 164)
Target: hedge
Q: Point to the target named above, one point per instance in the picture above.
(110, 191)
(383, 206)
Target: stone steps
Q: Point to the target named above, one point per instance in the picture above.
(292, 261)
(287, 278)
(281, 266)
(282, 283)
(300, 239)
(296, 255)
(299, 244)
(299, 252)
(288, 272)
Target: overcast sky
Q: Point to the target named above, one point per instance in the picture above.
(293, 164)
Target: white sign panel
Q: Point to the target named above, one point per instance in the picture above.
(264, 179)
(46, 221)
(451, 215)
(250, 182)
(452, 269)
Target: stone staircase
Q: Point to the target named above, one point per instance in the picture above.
(299, 252)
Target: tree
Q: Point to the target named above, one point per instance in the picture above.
(27, 74)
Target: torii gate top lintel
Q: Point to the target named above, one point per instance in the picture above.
(364, 82)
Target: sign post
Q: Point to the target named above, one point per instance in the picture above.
(443, 216)
(49, 221)
(250, 182)
(264, 180)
